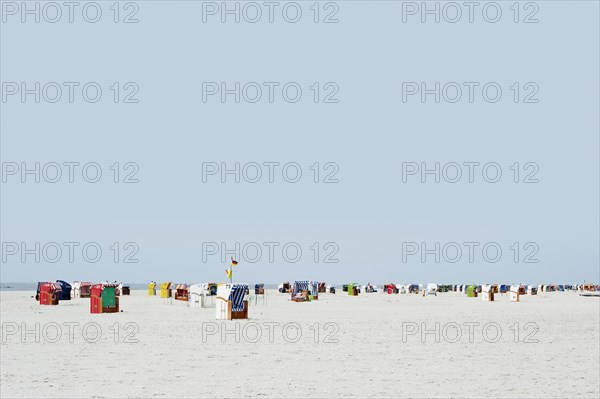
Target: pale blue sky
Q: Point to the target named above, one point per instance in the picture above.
(369, 134)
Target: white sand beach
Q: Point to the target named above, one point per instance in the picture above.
(176, 350)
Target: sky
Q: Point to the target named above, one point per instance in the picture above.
(305, 150)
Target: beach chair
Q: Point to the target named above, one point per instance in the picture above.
(514, 293)
(181, 292)
(432, 289)
(471, 291)
(196, 292)
(85, 289)
(259, 294)
(487, 293)
(284, 288)
(65, 294)
(322, 287)
(152, 289)
(353, 289)
(200, 295)
(212, 289)
(230, 302)
(301, 286)
(104, 298)
(49, 293)
(314, 291)
(37, 292)
(76, 291)
(81, 289)
(259, 289)
(166, 292)
(368, 288)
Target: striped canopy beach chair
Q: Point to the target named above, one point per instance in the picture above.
(231, 302)
(300, 291)
(182, 292)
(300, 286)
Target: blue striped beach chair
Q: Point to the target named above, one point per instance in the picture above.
(231, 302)
(300, 287)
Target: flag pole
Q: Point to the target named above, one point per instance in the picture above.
(233, 263)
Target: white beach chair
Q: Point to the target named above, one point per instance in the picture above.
(231, 302)
(195, 295)
(199, 296)
(432, 289)
(487, 295)
(513, 293)
(76, 291)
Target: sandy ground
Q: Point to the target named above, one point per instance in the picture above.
(366, 346)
